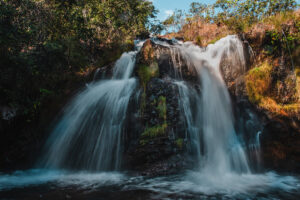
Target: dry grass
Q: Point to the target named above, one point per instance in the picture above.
(258, 82)
(201, 33)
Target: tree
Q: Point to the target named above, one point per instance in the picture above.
(43, 42)
(176, 20)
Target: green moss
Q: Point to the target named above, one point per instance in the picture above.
(179, 143)
(147, 72)
(144, 142)
(155, 131)
(162, 108)
(258, 81)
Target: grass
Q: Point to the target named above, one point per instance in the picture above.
(158, 130)
(155, 131)
(258, 82)
(280, 18)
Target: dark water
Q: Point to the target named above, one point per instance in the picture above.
(42, 184)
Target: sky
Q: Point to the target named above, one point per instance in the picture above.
(166, 7)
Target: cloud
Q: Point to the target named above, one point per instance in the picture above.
(169, 12)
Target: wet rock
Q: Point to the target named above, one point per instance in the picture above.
(8, 113)
(104, 72)
(153, 147)
(170, 62)
(281, 146)
(234, 69)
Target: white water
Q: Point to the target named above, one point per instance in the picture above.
(35, 177)
(89, 135)
(210, 121)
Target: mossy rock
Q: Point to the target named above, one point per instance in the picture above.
(258, 81)
(147, 53)
(146, 72)
(179, 143)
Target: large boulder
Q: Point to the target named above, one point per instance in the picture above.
(168, 58)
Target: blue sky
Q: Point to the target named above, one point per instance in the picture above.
(166, 7)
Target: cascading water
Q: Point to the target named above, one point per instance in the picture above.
(211, 122)
(222, 150)
(89, 135)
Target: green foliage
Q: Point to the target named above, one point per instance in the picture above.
(158, 130)
(202, 11)
(162, 108)
(43, 44)
(278, 41)
(239, 14)
(179, 143)
(258, 81)
(155, 131)
(175, 20)
(157, 27)
(147, 72)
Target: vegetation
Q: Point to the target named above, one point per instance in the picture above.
(238, 15)
(147, 72)
(179, 143)
(162, 108)
(160, 129)
(208, 22)
(258, 83)
(155, 131)
(45, 44)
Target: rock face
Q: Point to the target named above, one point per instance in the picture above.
(281, 146)
(157, 145)
(234, 70)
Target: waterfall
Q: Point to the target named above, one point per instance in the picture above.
(208, 114)
(89, 134)
(222, 149)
